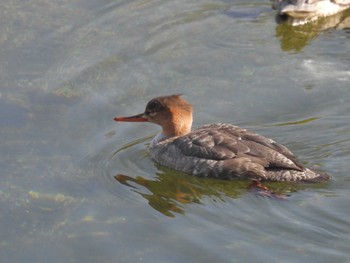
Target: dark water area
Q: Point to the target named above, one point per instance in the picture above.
(78, 187)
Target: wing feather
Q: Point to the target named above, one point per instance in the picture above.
(222, 142)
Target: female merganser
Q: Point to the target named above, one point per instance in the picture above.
(217, 150)
(310, 9)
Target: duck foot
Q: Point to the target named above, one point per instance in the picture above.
(256, 184)
(258, 189)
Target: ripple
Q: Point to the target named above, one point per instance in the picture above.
(111, 159)
(299, 122)
(165, 190)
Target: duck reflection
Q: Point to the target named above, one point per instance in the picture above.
(171, 191)
(295, 38)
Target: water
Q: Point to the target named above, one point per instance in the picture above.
(78, 187)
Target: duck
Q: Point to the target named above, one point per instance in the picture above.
(218, 150)
(310, 9)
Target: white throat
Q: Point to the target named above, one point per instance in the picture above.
(158, 138)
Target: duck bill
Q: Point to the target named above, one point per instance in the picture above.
(135, 118)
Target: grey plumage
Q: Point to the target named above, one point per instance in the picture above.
(227, 151)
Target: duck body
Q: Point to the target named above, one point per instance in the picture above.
(310, 9)
(218, 150)
(226, 151)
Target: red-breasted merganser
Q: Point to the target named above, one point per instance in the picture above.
(217, 150)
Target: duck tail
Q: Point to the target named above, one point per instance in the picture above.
(305, 175)
(315, 176)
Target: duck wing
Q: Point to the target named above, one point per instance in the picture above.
(229, 143)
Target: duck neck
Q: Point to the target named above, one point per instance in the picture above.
(178, 126)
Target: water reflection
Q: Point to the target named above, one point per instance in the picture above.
(170, 191)
(295, 38)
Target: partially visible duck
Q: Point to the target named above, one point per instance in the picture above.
(310, 9)
(217, 150)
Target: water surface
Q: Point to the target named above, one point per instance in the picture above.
(78, 187)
